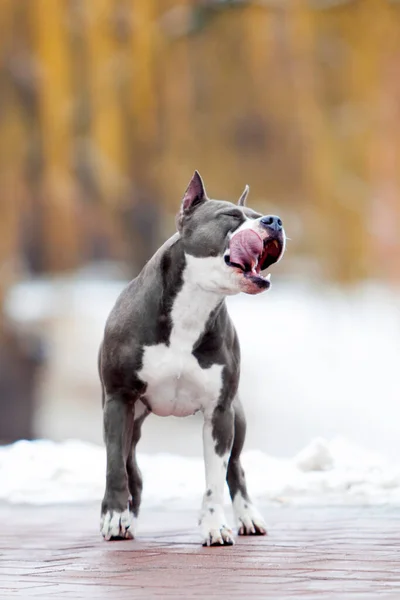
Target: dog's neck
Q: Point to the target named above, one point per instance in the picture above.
(197, 293)
(191, 310)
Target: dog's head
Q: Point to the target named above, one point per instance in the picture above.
(228, 245)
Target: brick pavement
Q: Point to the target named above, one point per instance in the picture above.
(341, 553)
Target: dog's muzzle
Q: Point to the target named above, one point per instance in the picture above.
(254, 249)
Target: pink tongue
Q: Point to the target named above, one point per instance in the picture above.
(245, 248)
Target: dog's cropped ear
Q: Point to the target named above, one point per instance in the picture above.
(242, 199)
(194, 196)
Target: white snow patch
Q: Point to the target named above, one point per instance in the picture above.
(317, 456)
(44, 472)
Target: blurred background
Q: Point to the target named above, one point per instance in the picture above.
(106, 109)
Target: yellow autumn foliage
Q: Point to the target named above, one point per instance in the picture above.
(108, 103)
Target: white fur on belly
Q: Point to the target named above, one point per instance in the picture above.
(176, 384)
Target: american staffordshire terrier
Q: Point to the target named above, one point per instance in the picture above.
(170, 348)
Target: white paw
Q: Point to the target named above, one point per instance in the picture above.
(249, 519)
(114, 524)
(214, 530)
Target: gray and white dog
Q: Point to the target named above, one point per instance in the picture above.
(170, 348)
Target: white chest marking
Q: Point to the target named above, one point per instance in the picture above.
(176, 384)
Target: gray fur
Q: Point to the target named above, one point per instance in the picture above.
(235, 476)
(142, 318)
(206, 228)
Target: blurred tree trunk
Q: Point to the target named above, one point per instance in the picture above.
(104, 72)
(317, 144)
(19, 353)
(60, 210)
(144, 139)
(384, 214)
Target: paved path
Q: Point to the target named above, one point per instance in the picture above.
(310, 553)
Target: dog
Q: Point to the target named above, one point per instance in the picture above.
(170, 348)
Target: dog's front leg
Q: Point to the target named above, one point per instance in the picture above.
(117, 518)
(217, 441)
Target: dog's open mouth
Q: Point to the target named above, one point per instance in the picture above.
(251, 254)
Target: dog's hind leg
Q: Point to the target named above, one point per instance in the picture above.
(117, 518)
(249, 520)
(135, 481)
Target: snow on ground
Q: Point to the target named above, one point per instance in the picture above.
(44, 472)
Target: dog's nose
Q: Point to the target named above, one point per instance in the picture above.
(272, 222)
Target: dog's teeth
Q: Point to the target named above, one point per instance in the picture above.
(276, 244)
(268, 277)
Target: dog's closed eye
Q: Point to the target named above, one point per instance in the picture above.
(233, 215)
